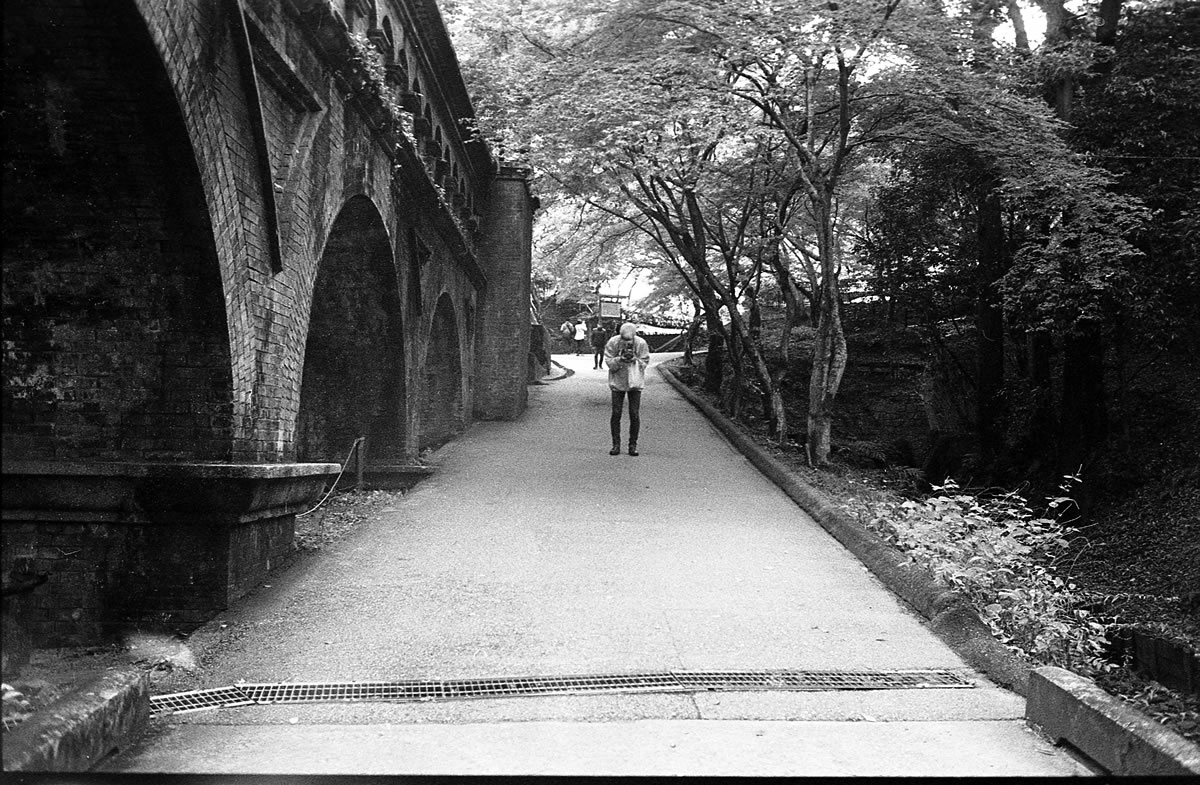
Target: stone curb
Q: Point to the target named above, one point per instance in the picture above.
(76, 731)
(949, 614)
(566, 372)
(1069, 707)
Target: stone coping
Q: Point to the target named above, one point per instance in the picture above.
(406, 468)
(248, 471)
(75, 732)
(1069, 707)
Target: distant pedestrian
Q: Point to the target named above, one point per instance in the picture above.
(567, 331)
(626, 354)
(599, 338)
(580, 336)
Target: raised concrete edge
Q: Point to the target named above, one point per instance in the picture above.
(1069, 707)
(159, 469)
(79, 729)
(565, 372)
(950, 615)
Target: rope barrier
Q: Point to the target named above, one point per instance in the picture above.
(345, 463)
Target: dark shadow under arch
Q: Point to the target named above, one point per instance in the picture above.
(353, 383)
(114, 305)
(441, 389)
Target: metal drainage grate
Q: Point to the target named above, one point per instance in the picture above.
(815, 681)
(196, 700)
(461, 688)
(456, 689)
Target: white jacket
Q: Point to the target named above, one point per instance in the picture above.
(626, 375)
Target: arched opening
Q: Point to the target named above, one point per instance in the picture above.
(441, 391)
(353, 383)
(391, 39)
(118, 347)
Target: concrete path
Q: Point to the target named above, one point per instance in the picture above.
(534, 552)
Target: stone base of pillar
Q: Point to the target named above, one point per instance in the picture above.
(394, 477)
(145, 545)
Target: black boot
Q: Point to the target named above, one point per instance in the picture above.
(616, 450)
(632, 448)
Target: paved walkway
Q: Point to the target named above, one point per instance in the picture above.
(534, 552)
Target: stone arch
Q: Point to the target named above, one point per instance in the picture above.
(390, 36)
(121, 347)
(442, 380)
(353, 379)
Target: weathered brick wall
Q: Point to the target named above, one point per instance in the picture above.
(442, 415)
(108, 577)
(502, 331)
(114, 325)
(76, 555)
(196, 46)
(882, 402)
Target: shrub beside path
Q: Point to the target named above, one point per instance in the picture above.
(534, 552)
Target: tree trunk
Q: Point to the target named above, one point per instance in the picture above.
(1084, 423)
(779, 417)
(714, 363)
(714, 360)
(791, 313)
(829, 363)
(989, 324)
(791, 302)
(1084, 415)
(731, 397)
(1042, 430)
(829, 352)
(755, 318)
(1082, 410)
(1020, 36)
(692, 331)
(1106, 31)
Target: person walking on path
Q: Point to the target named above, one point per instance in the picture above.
(626, 354)
(580, 336)
(599, 339)
(567, 331)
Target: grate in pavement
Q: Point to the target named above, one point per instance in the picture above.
(456, 689)
(195, 700)
(813, 681)
(560, 685)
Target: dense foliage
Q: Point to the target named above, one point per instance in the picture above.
(753, 148)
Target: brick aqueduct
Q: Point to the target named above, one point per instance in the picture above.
(239, 234)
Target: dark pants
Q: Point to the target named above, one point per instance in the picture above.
(597, 357)
(635, 414)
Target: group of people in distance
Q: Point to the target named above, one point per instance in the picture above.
(626, 355)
